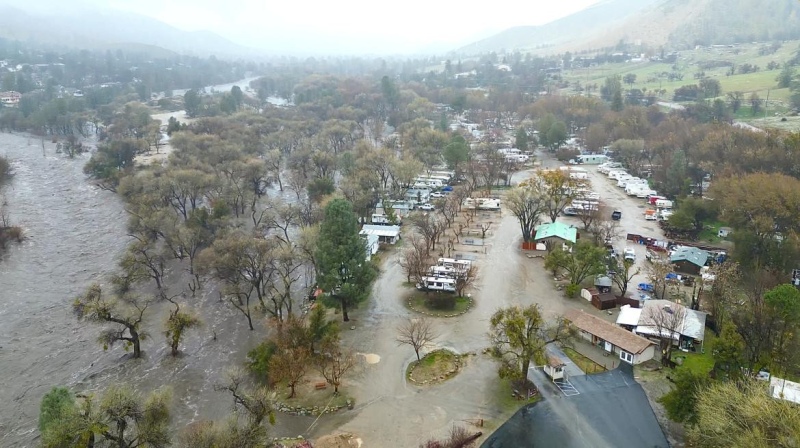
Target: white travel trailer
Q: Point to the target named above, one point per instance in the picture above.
(437, 284)
(592, 159)
(664, 203)
(616, 174)
(605, 168)
(442, 271)
(458, 265)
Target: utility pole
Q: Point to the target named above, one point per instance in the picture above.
(766, 106)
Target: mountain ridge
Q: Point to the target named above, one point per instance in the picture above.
(107, 29)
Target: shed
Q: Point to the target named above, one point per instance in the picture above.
(604, 301)
(688, 259)
(554, 367)
(556, 232)
(603, 283)
(385, 234)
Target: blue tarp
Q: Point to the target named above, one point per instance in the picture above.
(646, 287)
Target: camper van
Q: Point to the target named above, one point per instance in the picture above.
(437, 284)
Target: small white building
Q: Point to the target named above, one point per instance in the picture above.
(554, 367)
(385, 234)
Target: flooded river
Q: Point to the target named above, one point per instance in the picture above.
(75, 235)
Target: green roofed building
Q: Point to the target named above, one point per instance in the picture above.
(556, 231)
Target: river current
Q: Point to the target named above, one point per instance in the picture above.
(75, 234)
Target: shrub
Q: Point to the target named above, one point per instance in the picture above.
(572, 290)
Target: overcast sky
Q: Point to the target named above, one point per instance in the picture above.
(351, 26)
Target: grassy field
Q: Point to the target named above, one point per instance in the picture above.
(698, 362)
(762, 82)
(418, 301)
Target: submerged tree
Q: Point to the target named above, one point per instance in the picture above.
(122, 418)
(176, 326)
(125, 312)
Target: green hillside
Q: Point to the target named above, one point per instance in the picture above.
(652, 75)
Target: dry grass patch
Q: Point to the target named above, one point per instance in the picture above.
(435, 367)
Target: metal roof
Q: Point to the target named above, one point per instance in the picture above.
(691, 254)
(385, 231)
(557, 229)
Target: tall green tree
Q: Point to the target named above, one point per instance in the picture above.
(681, 401)
(583, 261)
(344, 272)
(521, 139)
(456, 153)
(192, 102)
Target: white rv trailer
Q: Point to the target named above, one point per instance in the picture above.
(437, 284)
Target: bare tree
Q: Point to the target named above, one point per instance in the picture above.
(416, 332)
(604, 230)
(525, 202)
(429, 227)
(623, 273)
(415, 259)
(333, 363)
(667, 320)
(589, 215)
(657, 274)
(465, 280)
(289, 363)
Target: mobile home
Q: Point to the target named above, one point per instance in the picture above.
(592, 159)
(458, 265)
(437, 284)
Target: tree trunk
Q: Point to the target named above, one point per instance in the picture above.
(174, 345)
(137, 348)
(291, 386)
(416, 350)
(249, 319)
(345, 316)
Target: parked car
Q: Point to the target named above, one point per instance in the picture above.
(427, 207)
(630, 254)
(616, 215)
(437, 195)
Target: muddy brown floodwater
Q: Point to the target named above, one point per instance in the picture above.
(75, 235)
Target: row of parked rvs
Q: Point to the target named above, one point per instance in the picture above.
(444, 275)
(635, 186)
